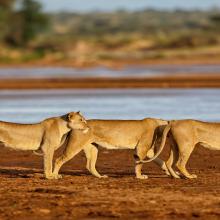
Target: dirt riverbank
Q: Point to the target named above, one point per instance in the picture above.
(26, 195)
(180, 81)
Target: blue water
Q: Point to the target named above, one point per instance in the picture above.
(35, 105)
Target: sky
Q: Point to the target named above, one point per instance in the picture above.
(110, 5)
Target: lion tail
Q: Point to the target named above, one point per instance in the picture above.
(164, 136)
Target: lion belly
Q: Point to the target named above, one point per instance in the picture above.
(22, 145)
(113, 147)
(20, 142)
(28, 145)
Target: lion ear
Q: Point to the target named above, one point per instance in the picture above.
(69, 116)
(79, 113)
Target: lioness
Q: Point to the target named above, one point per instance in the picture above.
(184, 136)
(47, 136)
(113, 134)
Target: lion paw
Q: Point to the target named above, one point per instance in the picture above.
(176, 177)
(193, 176)
(142, 177)
(103, 176)
(53, 176)
(165, 169)
(58, 176)
(167, 172)
(50, 177)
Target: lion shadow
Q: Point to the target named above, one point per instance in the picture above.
(21, 172)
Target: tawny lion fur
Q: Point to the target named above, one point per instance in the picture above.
(46, 136)
(114, 134)
(183, 136)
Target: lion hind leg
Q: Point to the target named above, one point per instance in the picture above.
(141, 153)
(91, 154)
(162, 165)
(173, 157)
(138, 172)
(158, 161)
(170, 162)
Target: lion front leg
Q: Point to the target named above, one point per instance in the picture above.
(73, 147)
(183, 159)
(48, 160)
(67, 155)
(48, 152)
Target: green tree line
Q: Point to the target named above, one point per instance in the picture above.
(170, 29)
(21, 21)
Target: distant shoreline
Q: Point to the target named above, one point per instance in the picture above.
(114, 64)
(207, 80)
(180, 81)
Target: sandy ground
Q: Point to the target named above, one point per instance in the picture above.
(26, 195)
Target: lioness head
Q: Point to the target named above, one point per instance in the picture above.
(77, 121)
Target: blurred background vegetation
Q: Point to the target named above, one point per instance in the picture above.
(28, 33)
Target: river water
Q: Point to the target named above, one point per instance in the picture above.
(28, 106)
